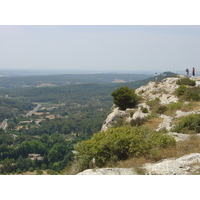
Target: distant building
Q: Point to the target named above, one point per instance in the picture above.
(35, 156)
(26, 122)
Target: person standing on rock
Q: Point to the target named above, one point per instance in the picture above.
(155, 78)
(187, 71)
(193, 71)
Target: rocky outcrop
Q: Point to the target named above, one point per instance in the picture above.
(188, 164)
(179, 136)
(166, 124)
(112, 118)
(109, 171)
(185, 165)
(180, 113)
(128, 115)
(164, 91)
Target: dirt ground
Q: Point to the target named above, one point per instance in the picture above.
(33, 173)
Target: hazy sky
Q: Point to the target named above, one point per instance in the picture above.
(99, 48)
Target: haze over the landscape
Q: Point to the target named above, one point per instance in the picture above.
(157, 36)
(98, 48)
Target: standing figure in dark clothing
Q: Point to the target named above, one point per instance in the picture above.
(155, 78)
(193, 71)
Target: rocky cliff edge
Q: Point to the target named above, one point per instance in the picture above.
(164, 91)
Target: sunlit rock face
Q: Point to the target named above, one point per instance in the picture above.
(109, 171)
(185, 165)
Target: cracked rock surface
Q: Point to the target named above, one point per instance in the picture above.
(185, 165)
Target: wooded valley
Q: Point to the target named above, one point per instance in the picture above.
(66, 114)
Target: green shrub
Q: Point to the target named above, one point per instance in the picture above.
(144, 109)
(120, 122)
(188, 94)
(39, 172)
(188, 124)
(119, 144)
(138, 121)
(153, 102)
(192, 94)
(43, 166)
(175, 105)
(31, 169)
(180, 90)
(186, 81)
(161, 109)
(125, 97)
(132, 113)
(51, 172)
(19, 171)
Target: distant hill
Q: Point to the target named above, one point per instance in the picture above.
(68, 79)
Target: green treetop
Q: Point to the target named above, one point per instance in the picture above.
(125, 97)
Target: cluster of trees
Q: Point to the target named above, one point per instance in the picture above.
(54, 150)
(80, 94)
(85, 127)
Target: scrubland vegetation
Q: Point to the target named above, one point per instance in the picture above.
(192, 145)
(188, 124)
(120, 144)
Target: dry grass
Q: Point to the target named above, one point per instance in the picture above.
(191, 106)
(132, 162)
(191, 145)
(186, 107)
(153, 123)
(33, 173)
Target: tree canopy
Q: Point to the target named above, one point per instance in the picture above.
(125, 97)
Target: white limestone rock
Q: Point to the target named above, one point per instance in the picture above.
(166, 124)
(181, 166)
(179, 136)
(139, 114)
(180, 113)
(109, 171)
(167, 99)
(185, 165)
(112, 118)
